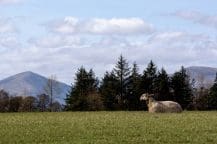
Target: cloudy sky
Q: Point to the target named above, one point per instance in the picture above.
(58, 36)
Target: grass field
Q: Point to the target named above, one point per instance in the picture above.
(108, 128)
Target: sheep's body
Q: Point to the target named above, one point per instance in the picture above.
(161, 106)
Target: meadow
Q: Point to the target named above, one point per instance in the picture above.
(108, 128)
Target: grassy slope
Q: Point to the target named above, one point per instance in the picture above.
(108, 127)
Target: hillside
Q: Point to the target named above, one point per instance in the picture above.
(30, 84)
(202, 75)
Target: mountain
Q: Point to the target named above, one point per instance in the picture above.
(31, 84)
(204, 76)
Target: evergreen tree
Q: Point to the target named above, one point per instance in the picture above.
(85, 83)
(212, 102)
(162, 87)
(109, 90)
(4, 101)
(133, 89)
(122, 72)
(182, 92)
(149, 78)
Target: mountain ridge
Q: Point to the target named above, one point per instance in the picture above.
(203, 75)
(29, 83)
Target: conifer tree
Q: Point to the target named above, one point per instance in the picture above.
(122, 72)
(133, 89)
(212, 102)
(162, 87)
(149, 78)
(84, 85)
(109, 90)
(182, 92)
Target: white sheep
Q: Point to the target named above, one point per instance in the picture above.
(161, 106)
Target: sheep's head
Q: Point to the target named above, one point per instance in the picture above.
(146, 96)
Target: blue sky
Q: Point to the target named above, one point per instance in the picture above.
(57, 37)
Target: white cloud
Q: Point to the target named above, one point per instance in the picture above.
(114, 26)
(64, 54)
(55, 41)
(67, 26)
(197, 17)
(10, 1)
(6, 26)
(97, 43)
(9, 42)
(119, 26)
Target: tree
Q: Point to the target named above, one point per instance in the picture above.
(122, 72)
(4, 101)
(201, 99)
(85, 83)
(15, 103)
(28, 104)
(109, 90)
(182, 92)
(162, 86)
(43, 102)
(56, 106)
(94, 101)
(133, 89)
(52, 89)
(212, 104)
(149, 78)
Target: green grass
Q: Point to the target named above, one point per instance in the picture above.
(108, 128)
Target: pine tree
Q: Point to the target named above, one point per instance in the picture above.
(134, 92)
(162, 87)
(212, 102)
(85, 84)
(122, 72)
(109, 91)
(149, 78)
(4, 101)
(182, 89)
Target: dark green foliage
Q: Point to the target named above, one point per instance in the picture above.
(109, 90)
(94, 101)
(212, 104)
(133, 89)
(122, 72)
(85, 83)
(162, 86)
(182, 92)
(4, 101)
(149, 78)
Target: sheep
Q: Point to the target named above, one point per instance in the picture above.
(160, 106)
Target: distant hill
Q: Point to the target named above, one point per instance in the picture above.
(202, 75)
(30, 84)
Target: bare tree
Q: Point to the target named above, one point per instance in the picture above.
(52, 89)
(43, 102)
(28, 104)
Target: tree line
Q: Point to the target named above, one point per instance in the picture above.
(44, 102)
(121, 88)
(27, 103)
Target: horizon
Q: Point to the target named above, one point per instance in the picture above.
(57, 37)
(69, 84)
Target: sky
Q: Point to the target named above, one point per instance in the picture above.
(53, 37)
